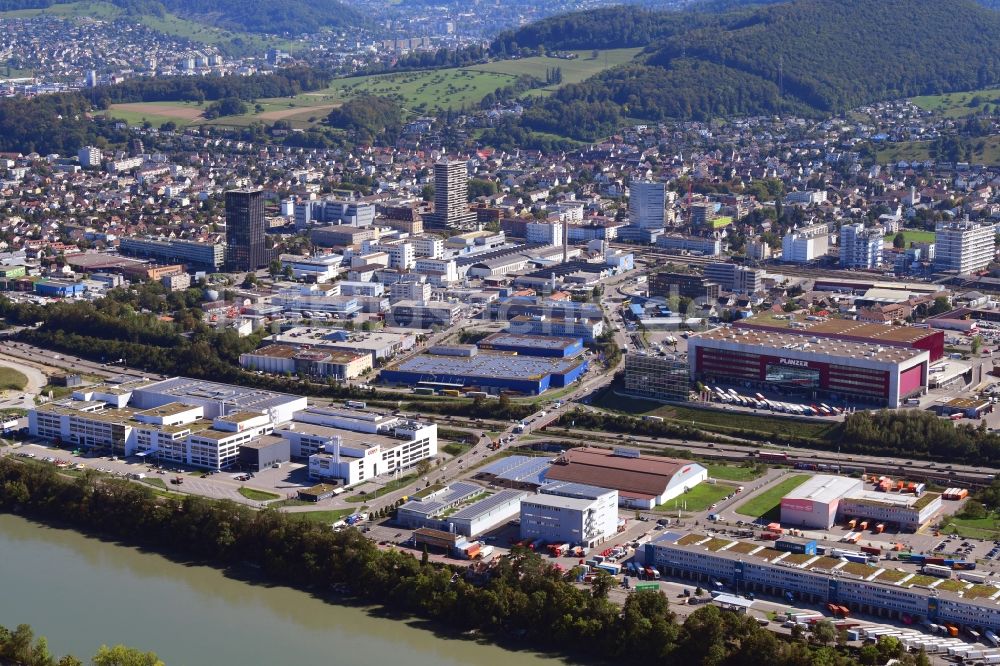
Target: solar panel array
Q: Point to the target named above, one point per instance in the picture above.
(526, 469)
(484, 506)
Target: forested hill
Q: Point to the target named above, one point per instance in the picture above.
(832, 55)
(268, 16)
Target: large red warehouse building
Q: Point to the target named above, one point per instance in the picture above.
(792, 363)
(909, 337)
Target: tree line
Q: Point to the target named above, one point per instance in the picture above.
(20, 647)
(522, 598)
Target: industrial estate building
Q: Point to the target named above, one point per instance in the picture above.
(815, 579)
(348, 446)
(533, 345)
(825, 500)
(573, 513)
(380, 345)
(813, 366)
(216, 426)
(462, 508)
(461, 366)
(642, 482)
(316, 363)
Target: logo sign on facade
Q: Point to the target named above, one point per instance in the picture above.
(794, 361)
(805, 506)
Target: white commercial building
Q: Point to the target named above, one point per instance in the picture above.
(401, 253)
(964, 246)
(462, 508)
(573, 513)
(321, 268)
(353, 445)
(218, 399)
(545, 233)
(646, 205)
(805, 244)
(431, 247)
(410, 291)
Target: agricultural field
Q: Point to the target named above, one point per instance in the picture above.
(99, 10)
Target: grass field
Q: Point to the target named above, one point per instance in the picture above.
(986, 150)
(420, 91)
(768, 503)
(258, 495)
(975, 528)
(12, 379)
(573, 71)
(698, 498)
(328, 517)
(714, 420)
(733, 473)
(384, 490)
(912, 236)
(959, 104)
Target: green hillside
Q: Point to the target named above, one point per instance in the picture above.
(811, 57)
(259, 16)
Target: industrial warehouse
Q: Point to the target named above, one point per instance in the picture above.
(642, 482)
(458, 366)
(817, 578)
(791, 363)
(826, 500)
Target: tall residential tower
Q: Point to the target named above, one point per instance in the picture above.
(451, 196)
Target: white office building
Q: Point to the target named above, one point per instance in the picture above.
(573, 513)
(428, 246)
(319, 269)
(646, 205)
(401, 253)
(964, 246)
(410, 291)
(805, 244)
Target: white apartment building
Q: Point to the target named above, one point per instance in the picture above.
(860, 247)
(964, 246)
(89, 157)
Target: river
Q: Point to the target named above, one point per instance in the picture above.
(81, 592)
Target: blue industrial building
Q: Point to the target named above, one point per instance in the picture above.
(533, 345)
(487, 371)
(59, 288)
(816, 580)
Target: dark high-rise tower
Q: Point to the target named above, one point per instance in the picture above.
(245, 249)
(451, 196)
